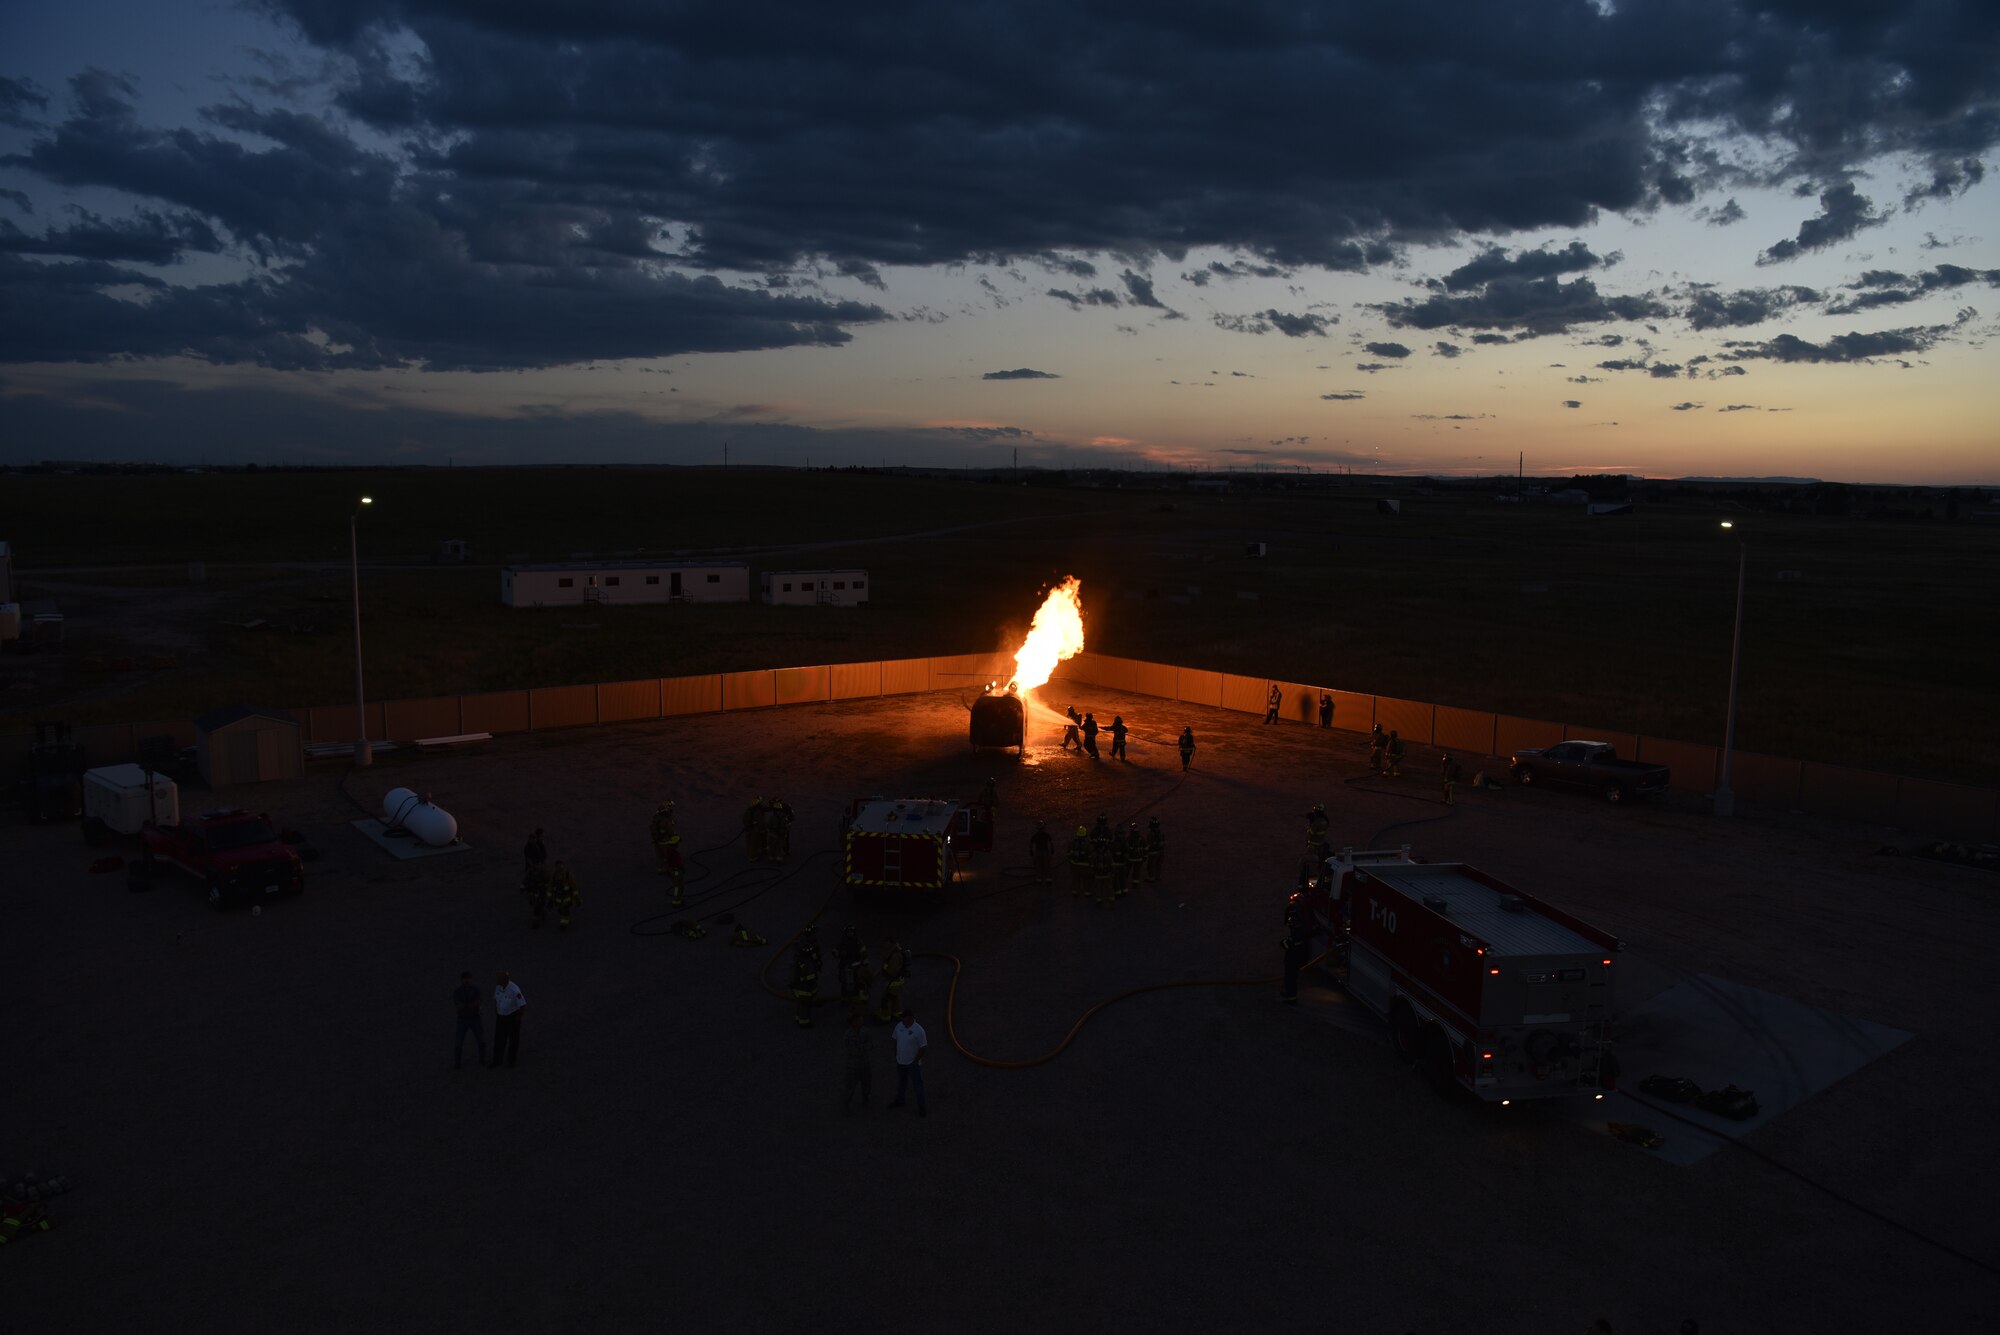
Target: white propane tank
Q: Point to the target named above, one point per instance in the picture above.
(434, 825)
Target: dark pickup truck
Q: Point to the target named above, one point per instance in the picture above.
(236, 854)
(1592, 765)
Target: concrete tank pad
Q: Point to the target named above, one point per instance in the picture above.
(404, 846)
(1718, 1033)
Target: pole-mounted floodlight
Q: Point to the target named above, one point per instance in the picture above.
(362, 754)
(1725, 800)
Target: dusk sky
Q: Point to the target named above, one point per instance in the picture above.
(1669, 237)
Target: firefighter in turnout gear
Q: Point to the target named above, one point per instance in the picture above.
(805, 988)
(1042, 853)
(1121, 864)
(753, 831)
(1376, 742)
(778, 830)
(535, 888)
(1069, 730)
(807, 946)
(1395, 755)
(1297, 945)
(743, 936)
(563, 894)
(1156, 848)
(1450, 776)
(1317, 824)
(850, 957)
(895, 972)
(1187, 747)
(1079, 863)
(1101, 871)
(667, 851)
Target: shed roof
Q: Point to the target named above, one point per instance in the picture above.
(222, 718)
(631, 565)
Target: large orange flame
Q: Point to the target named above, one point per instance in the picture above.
(1057, 633)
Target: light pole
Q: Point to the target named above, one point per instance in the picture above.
(1725, 800)
(362, 754)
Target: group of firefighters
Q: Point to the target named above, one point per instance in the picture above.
(1385, 757)
(1082, 729)
(767, 830)
(850, 961)
(1110, 858)
(547, 886)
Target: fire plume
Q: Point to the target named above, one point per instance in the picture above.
(1056, 634)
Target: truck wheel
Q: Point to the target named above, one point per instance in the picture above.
(1437, 1066)
(1403, 1032)
(1614, 792)
(1524, 776)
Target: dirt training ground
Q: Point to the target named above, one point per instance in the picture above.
(266, 1134)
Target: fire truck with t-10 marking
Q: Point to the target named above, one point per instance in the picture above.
(1483, 987)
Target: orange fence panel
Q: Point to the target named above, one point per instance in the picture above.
(854, 681)
(1765, 778)
(1354, 712)
(497, 712)
(1691, 764)
(1198, 687)
(623, 701)
(1626, 744)
(1079, 668)
(691, 695)
(1950, 810)
(407, 720)
(1469, 731)
(801, 685)
(562, 707)
(1856, 794)
(1115, 674)
(1159, 680)
(1511, 734)
(1410, 719)
(969, 669)
(1301, 702)
(903, 676)
(748, 690)
(335, 723)
(1245, 695)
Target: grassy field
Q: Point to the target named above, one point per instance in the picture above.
(1862, 639)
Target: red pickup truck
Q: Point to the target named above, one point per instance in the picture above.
(237, 854)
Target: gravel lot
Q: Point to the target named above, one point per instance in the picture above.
(266, 1134)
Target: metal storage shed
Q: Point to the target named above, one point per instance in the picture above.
(245, 744)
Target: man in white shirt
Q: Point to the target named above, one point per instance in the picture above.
(911, 1043)
(508, 1003)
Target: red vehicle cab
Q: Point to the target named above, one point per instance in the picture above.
(236, 854)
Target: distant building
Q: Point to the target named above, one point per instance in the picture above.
(830, 588)
(450, 552)
(575, 583)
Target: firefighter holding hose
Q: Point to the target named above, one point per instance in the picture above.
(667, 851)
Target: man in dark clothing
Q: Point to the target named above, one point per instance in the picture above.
(1272, 702)
(1042, 853)
(1187, 747)
(1297, 945)
(859, 1074)
(1090, 735)
(1118, 737)
(1325, 710)
(1069, 730)
(536, 854)
(467, 1000)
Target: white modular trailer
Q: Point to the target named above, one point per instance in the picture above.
(575, 583)
(116, 795)
(804, 588)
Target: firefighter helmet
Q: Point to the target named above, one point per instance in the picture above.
(1082, 831)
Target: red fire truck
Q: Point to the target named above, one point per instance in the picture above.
(912, 843)
(1484, 988)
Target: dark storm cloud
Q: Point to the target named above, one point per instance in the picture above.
(1880, 287)
(1737, 408)
(1724, 214)
(1709, 309)
(1843, 212)
(1263, 322)
(1663, 370)
(1572, 403)
(149, 237)
(21, 102)
(1021, 373)
(1686, 407)
(1496, 263)
(1396, 350)
(1233, 269)
(1621, 364)
(549, 166)
(1096, 296)
(1442, 349)
(1850, 347)
(1530, 306)
(1372, 367)
(1344, 396)
(1948, 179)
(1486, 339)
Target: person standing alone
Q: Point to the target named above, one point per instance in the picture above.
(1272, 703)
(911, 1044)
(469, 1022)
(508, 1003)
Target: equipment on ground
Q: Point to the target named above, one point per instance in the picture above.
(408, 810)
(1485, 988)
(912, 843)
(999, 719)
